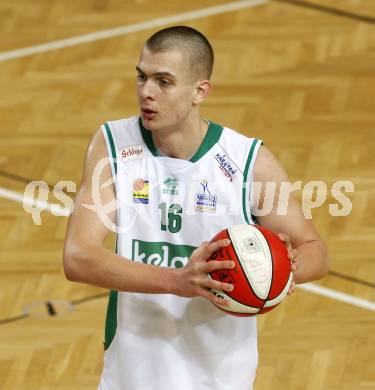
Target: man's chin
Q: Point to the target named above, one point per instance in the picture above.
(149, 124)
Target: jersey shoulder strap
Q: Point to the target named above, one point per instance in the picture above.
(123, 139)
(242, 151)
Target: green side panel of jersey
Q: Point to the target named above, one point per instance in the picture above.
(111, 318)
(246, 184)
(113, 148)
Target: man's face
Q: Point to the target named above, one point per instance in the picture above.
(165, 88)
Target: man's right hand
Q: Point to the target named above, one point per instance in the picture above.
(193, 280)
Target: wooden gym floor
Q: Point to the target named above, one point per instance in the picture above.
(298, 74)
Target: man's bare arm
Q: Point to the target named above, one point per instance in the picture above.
(311, 251)
(87, 261)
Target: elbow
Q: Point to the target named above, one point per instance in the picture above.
(70, 265)
(325, 263)
(324, 269)
(315, 264)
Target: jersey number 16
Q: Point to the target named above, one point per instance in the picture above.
(171, 218)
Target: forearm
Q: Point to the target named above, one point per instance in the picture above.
(312, 260)
(101, 267)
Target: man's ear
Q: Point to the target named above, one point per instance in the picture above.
(201, 91)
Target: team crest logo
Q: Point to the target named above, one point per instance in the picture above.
(140, 191)
(131, 153)
(170, 186)
(205, 201)
(225, 166)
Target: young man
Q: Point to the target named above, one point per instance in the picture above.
(178, 180)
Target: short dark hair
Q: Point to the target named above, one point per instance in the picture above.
(193, 42)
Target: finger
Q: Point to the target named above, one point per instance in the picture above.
(291, 288)
(216, 299)
(216, 285)
(292, 253)
(282, 236)
(215, 265)
(285, 238)
(211, 247)
(294, 264)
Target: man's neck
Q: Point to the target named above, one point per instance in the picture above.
(181, 143)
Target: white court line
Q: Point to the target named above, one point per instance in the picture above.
(114, 32)
(57, 210)
(338, 296)
(54, 209)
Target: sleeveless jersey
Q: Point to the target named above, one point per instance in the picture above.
(167, 207)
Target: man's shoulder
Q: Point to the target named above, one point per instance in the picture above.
(236, 134)
(121, 123)
(236, 148)
(268, 167)
(236, 140)
(122, 130)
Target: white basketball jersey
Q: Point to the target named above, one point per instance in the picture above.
(166, 208)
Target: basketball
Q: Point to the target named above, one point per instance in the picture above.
(262, 273)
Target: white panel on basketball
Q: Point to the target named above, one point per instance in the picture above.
(282, 295)
(253, 250)
(235, 306)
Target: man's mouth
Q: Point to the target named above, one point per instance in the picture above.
(147, 113)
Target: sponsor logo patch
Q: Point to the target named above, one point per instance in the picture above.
(131, 153)
(170, 186)
(140, 191)
(162, 254)
(225, 166)
(205, 201)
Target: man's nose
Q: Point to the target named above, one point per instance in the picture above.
(147, 90)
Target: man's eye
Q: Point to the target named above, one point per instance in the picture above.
(141, 77)
(163, 82)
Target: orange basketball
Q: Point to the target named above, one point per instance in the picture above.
(262, 274)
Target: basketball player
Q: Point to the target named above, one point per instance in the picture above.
(178, 180)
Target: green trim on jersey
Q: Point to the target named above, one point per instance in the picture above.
(245, 187)
(211, 138)
(113, 148)
(111, 317)
(147, 138)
